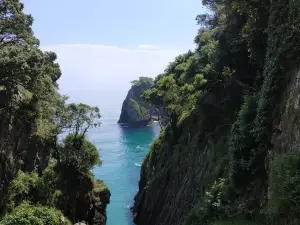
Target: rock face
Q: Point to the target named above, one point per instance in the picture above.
(135, 112)
(97, 215)
(287, 133)
(173, 178)
(172, 181)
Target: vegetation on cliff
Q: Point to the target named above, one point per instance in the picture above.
(135, 112)
(41, 177)
(215, 162)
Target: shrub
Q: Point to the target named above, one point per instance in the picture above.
(20, 189)
(99, 186)
(284, 181)
(141, 110)
(27, 214)
(34, 188)
(210, 208)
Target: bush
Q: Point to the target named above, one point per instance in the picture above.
(20, 189)
(27, 214)
(284, 181)
(210, 208)
(32, 187)
(99, 186)
(141, 110)
(77, 152)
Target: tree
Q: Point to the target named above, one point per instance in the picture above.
(27, 214)
(78, 119)
(33, 114)
(15, 26)
(79, 153)
(143, 81)
(76, 156)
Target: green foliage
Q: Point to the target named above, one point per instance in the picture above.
(251, 141)
(141, 110)
(233, 78)
(211, 207)
(33, 187)
(34, 166)
(15, 26)
(27, 214)
(284, 182)
(21, 189)
(143, 81)
(76, 158)
(99, 186)
(242, 144)
(48, 193)
(79, 153)
(78, 118)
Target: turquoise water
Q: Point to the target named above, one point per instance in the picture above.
(122, 151)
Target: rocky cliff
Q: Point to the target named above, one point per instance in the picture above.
(175, 176)
(134, 111)
(230, 152)
(172, 180)
(97, 214)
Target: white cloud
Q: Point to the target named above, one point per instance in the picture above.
(101, 75)
(153, 47)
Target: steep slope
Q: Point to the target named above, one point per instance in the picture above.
(226, 155)
(134, 111)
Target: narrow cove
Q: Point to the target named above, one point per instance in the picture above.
(122, 151)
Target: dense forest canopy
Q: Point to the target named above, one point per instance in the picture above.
(40, 175)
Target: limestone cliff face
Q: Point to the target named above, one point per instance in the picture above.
(134, 111)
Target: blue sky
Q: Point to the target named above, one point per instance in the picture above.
(104, 44)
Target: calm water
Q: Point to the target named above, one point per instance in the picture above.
(122, 151)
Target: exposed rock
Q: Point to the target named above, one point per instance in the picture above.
(97, 214)
(286, 136)
(136, 113)
(172, 181)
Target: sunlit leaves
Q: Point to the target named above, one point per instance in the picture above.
(78, 118)
(210, 50)
(27, 214)
(143, 81)
(35, 114)
(199, 81)
(15, 26)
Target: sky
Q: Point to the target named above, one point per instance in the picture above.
(102, 45)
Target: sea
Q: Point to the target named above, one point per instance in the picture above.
(122, 151)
